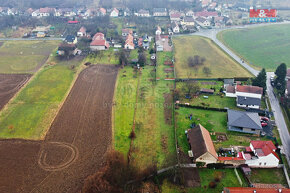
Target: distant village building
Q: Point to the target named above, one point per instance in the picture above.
(175, 17)
(71, 39)
(43, 12)
(129, 43)
(158, 31)
(142, 13)
(114, 13)
(82, 32)
(175, 28)
(189, 13)
(202, 22)
(99, 42)
(189, 21)
(206, 14)
(101, 12)
(126, 32)
(160, 12)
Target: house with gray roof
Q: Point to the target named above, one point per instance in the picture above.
(244, 122)
(159, 12)
(248, 102)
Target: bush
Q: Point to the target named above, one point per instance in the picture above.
(212, 184)
(132, 135)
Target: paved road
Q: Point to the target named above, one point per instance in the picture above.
(279, 118)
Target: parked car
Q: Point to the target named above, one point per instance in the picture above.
(264, 118)
(264, 124)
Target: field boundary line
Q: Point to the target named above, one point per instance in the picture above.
(113, 111)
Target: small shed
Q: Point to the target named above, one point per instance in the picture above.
(246, 169)
(206, 91)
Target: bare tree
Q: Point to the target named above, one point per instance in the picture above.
(190, 88)
(206, 71)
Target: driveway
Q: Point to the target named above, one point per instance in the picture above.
(279, 118)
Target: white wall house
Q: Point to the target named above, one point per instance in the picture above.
(114, 13)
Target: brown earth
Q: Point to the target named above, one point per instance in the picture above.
(9, 85)
(75, 145)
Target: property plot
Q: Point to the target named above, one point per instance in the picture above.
(208, 60)
(75, 145)
(24, 56)
(9, 85)
(262, 47)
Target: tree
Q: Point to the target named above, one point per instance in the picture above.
(142, 59)
(123, 59)
(206, 71)
(280, 81)
(190, 88)
(260, 80)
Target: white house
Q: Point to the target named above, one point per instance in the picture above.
(142, 13)
(248, 102)
(175, 27)
(158, 31)
(189, 13)
(129, 43)
(99, 42)
(261, 154)
(114, 13)
(249, 91)
(82, 32)
(202, 22)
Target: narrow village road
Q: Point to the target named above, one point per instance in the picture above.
(279, 118)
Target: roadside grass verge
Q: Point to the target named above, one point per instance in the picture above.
(262, 47)
(24, 56)
(219, 63)
(31, 112)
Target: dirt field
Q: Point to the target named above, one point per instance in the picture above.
(9, 85)
(74, 146)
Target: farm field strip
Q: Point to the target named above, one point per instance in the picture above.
(255, 46)
(219, 63)
(75, 145)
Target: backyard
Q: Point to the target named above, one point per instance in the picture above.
(268, 176)
(255, 46)
(214, 59)
(110, 56)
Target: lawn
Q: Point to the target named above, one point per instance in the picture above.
(109, 56)
(268, 176)
(213, 121)
(216, 100)
(24, 56)
(228, 179)
(31, 112)
(125, 99)
(154, 143)
(161, 72)
(262, 47)
(219, 63)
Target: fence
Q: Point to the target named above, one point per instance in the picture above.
(203, 108)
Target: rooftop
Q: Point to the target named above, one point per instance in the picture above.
(249, 89)
(244, 119)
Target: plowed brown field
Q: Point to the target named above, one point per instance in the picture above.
(9, 85)
(75, 145)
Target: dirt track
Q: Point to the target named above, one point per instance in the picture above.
(74, 146)
(9, 85)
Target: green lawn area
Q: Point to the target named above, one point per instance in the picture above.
(268, 176)
(119, 23)
(262, 47)
(219, 63)
(217, 100)
(109, 56)
(154, 141)
(161, 58)
(213, 121)
(24, 56)
(30, 114)
(125, 99)
(229, 179)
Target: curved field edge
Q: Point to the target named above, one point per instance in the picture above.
(30, 113)
(220, 63)
(261, 47)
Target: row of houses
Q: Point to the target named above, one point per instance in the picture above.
(261, 154)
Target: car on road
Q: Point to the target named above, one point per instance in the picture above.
(264, 118)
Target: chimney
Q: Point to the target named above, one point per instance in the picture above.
(280, 190)
(255, 191)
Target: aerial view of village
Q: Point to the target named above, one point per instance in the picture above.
(144, 96)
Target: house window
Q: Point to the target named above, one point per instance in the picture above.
(265, 163)
(260, 163)
(253, 129)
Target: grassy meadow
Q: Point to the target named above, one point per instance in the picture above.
(262, 47)
(24, 56)
(219, 63)
(31, 112)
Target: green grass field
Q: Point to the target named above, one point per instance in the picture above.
(109, 56)
(229, 179)
(262, 47)
(268, 176)
(161, 72)
(30, 113)
(220, 64)
(24, 56)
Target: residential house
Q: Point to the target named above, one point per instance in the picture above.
(126, 32)
(236, 161)
(212, 6)
(249, 91)
(202, 22)
(145, 42)
(189, 13)
(68, 12)
(261, 154)
(206, 14)
(205, 3)
(228, 82)
(40, 34)
(175, 17)
(142, 13)
(162, 43)
(175, 27)
(127, 12)
(43, 12)
(114, 13)
(99, 42)
(160, 12)
(201, 145)
(71, 39)
(82, 32)
(158, 31)
(244, 122)
(188, 21)
(248, 102)
(129, 43)
(255, 190)
(101, 12)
